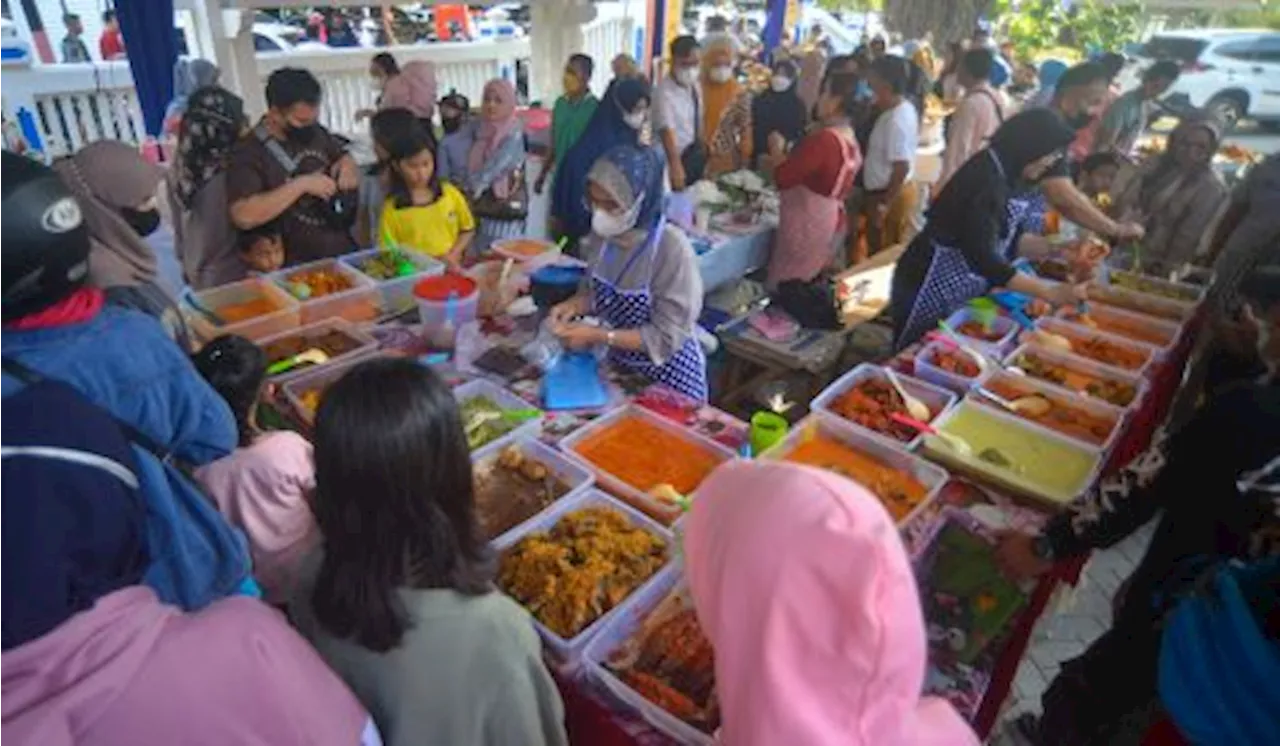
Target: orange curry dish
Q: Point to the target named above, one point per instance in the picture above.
(1059, 417)
(233, 313)
(645, 455)
(1105, 351)
(870, 403)
(900, 493)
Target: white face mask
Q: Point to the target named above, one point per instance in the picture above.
(635, 119)
(721, 74)
(611, 224)
(780, 83)
(684, 76)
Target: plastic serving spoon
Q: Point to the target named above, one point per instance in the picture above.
(984, 363)
(916, 408)
(313, 356)
(955, 443)
(1031, 405)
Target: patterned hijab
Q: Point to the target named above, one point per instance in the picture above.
(633, 174)
(189, 76)
(211, 126)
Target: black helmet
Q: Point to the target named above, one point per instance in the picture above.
(45, 242)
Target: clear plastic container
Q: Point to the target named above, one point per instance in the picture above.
(365, 344)
(1080, 367)
(569, 652)
(433, 313)
(287, 316)
(505, 400)
(927, 371)
(661, 511)
(1131, 300)
(317, 379)
(574, 475)
(625, 623)
(1024, 481)
(358, 304)
(935, 397)
(837, 428)
(1026, 386)
(397, 292)
(1162, 334)
(1006, 327)
(1077, 332)
(525, 249)
(1180, 292)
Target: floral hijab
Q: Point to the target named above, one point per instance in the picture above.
(211, 126)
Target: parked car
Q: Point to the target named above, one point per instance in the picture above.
(1234, 73)
(275, 37)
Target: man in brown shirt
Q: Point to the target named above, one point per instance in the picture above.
(288, 170)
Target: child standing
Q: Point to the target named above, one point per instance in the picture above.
(262, 248)
(386, 127)
(264, 486)
(423, 213)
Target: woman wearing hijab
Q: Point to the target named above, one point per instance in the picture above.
(813, 67)
(413, 88)
(973, 231)
(822, 644)
(90, 654)
(718, 86)
(813, 183)
(116, 189)
(1175, 195)
(643, 283)
(189, 76)
(618, 120)
(205, 239)
(779, 109)
(493, 174)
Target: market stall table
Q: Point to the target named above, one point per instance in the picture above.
(724, 257)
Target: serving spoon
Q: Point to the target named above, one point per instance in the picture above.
(916, 408)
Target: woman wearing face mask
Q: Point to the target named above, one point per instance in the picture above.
(719, 86)
(779, 110)
(382, 67)
(643, 281)
(571, 114)
(618, 120)
(972, 232)
(117, 190)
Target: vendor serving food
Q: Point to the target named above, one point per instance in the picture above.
(643, 281)
(973, 232)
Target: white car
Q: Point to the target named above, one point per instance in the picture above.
(1234, 73)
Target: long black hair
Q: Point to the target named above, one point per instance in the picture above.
(394, 500)
(411, 144)
(236, 368)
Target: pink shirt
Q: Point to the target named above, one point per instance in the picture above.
(977, 117)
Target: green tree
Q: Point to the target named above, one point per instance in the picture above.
(1088, 25)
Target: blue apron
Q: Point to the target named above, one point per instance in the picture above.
(686, 371)
(949, 282)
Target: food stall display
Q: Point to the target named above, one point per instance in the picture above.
(520, 480)
(1087, 420)
(1078, 375)
(866, 398)
(253, 308)
(322, 343)
(1100, 347)
(1116, 321)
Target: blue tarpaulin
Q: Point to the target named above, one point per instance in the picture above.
(152, 45)
(775, 19)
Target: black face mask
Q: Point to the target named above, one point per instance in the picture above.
(301, 135)
(451, 124)
(143, 222)
(1078, 121)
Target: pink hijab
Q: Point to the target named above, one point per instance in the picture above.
(133, 670)
(413, 89)
(492, 132)
(802, 585)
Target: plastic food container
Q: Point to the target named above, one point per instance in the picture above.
(288, 314)
(1181, 292)
(1077, 332)
(432, 296)
(523, 249)
(832, 426)
(358, 304)
(364, 343)
(935, 397)
(318, 378)
(662, 511)
(926, 370)
(1081, 368)
(575, 476)
(624, 624)
(1162, 334)
(1004, 326)
(504, 399)
(1034, 451)
(396, 292)
(1025, 386)
(555, 283)
(1132, 300)
(569, 652)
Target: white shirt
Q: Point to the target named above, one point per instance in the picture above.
(894, 138)
(676, 108)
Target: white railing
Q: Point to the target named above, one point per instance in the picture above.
(73, 105)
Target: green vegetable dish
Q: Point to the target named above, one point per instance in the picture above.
(485, 421)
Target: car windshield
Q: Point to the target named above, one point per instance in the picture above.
(1181, 48)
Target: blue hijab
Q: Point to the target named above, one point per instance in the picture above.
(644, 171)
(1219, 667)
(606, 130)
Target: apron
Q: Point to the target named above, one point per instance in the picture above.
(802, 245)
(949, 282)
(686, 371)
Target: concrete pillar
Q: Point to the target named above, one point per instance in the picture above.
(555, 33)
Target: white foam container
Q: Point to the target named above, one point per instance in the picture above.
(569, 651)
(1084, 366)
(575, 476)
(625, 623)
(1149, 353)
(938, 399)
(932, 476)
(1061, 396)
(504, 399)
(368, 345)
(660, 511)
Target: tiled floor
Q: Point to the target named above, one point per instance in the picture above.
(1079, 619)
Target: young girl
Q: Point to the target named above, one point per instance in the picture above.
(400, 599)
(422, 213)
(263, 486)
(386, 127)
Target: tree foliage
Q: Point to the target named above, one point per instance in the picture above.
(1088, 25)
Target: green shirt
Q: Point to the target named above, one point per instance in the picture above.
(568, 122)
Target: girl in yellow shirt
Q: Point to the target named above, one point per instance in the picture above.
(423, 214)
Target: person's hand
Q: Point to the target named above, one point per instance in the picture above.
(561, 314)
(578, 336)
(1129, 232)
(677, 176)
(1068, 294)
(317, 185)
(777, 143)
(1088, 251)
(348, 174)
(1016, 556)
(453, 263)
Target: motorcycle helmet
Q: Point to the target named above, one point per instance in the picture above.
(45, 241)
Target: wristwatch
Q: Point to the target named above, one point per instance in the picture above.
(1043, 548)
(609, 337)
